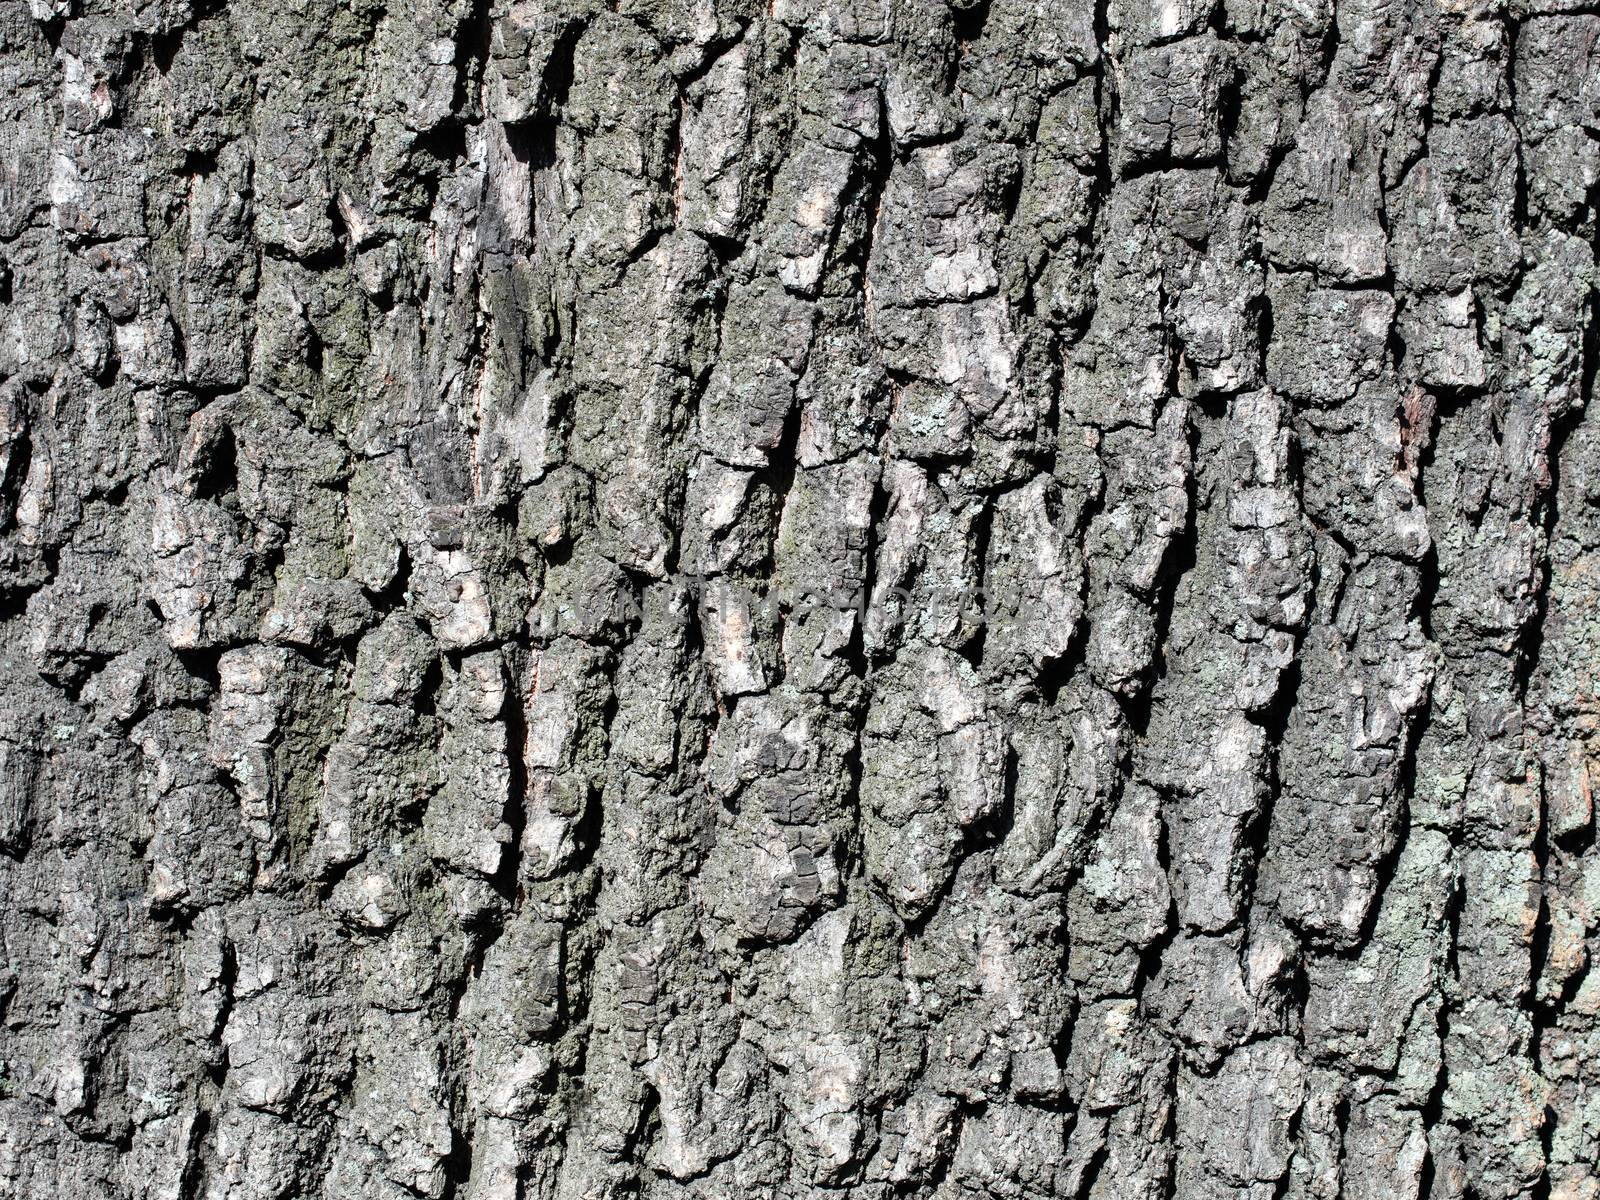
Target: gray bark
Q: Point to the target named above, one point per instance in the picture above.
(780, 598)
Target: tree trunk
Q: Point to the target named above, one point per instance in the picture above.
(724, 598)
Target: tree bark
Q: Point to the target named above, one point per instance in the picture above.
(781, 598)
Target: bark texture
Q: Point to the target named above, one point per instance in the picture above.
(704, 599)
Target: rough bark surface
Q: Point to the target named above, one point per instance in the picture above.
(726, 598)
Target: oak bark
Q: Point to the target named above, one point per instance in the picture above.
(726, 598)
